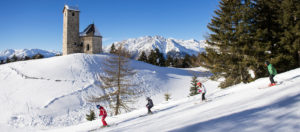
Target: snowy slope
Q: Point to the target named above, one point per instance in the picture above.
(249, 107)
(165, 45)
(49, 95)
(26, 52)
(51, 92)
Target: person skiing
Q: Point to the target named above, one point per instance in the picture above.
(272, 72)
(103, 114)
(202, 90)
(149, 105)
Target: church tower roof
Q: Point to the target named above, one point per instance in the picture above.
(90, 30)
(73, 8)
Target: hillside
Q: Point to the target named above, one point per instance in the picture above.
(252, 107)
(165, 45)
(51, 92)
(49, 95)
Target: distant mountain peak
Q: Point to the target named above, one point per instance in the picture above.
(21, 53)
(165, 45)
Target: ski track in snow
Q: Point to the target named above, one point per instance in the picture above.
(39, 78)
(70, 94)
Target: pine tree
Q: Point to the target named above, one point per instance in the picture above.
(177, 62)
(90, 116)
(143, 57)
(266, 30)
(2, 62)
(152, 58)
(157, 57)
(14, 58)
(286, 56)
(186, 62)
(246, 33)
(167, 96)
(194, 87)
(193, 60)
(227, 56)
(7, 60)
(161, 58)
(116, 82)
(169, 61)
(112, 49)
(38, 56)
(27, 58)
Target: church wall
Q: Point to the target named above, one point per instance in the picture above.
(87, 41)
(91, 44)
(97, 45)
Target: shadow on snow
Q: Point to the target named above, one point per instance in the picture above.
(252, 119)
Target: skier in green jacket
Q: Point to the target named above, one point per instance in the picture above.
(272, 72)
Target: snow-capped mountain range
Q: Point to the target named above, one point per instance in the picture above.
(165, 45)
(135, 46)
(26, 52)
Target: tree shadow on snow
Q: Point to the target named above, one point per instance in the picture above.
(266, 118)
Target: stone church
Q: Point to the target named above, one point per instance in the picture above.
(89, 41)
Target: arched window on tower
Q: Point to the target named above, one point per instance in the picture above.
(73, 14)
(87, 47)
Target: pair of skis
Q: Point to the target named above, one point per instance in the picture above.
(277, 83)
(102, 127)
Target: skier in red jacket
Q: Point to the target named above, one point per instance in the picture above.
(202, 90)
(103, 114)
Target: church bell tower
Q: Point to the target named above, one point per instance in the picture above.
(71, 40)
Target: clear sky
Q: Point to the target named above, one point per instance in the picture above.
(38, 23)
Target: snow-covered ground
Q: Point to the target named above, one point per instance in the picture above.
(49, 95)
(52, 92)
(252, 107)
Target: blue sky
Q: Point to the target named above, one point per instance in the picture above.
(38, 23)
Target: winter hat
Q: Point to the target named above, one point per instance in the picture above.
(267, 62)
(147, 98)
(199, 84)
(98, 106)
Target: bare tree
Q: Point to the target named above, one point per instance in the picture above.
(116, 82)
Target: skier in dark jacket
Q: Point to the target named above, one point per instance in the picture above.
(149, 105)
(272, 72)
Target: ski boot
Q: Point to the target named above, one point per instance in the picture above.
(273, 84)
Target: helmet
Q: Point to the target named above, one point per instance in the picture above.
(147, 98)
(267, 62)
(199, 84)
(98, 106)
